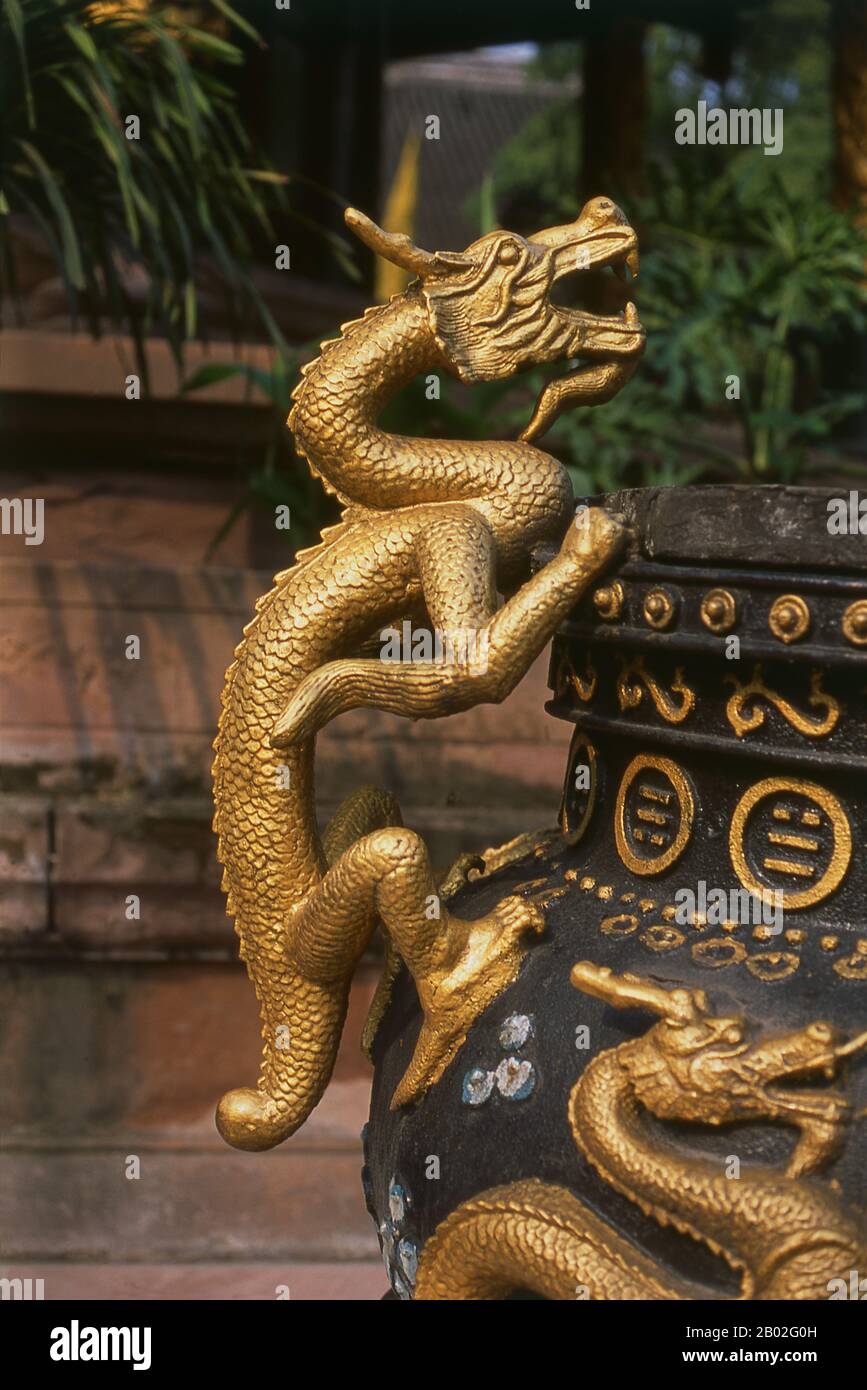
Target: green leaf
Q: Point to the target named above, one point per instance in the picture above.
(238, 21)
(72, 254)
(15, 16)
(212, 372)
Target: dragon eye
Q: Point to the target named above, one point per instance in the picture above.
(820, 1032)
(508, 253)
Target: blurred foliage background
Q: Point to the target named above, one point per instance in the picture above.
(752, 285)
(747, 270)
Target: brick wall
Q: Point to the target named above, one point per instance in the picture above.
(119, 1035)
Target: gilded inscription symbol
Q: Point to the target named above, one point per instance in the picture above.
(634, 679)
(654, 814)
(579, 794)
(743, 719)
(784, 1230)
(793, 837)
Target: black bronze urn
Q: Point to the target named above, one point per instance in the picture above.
(669, 1100)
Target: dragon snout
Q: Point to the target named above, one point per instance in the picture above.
(600, 235)
(602, 210)
(813, 1051)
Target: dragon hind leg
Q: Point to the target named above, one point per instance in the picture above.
(458, 967)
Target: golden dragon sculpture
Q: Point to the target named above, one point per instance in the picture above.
(783, 1233)
(432, 527)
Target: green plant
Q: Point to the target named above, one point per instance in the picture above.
(73, 74)
(747, 271)
(279, 478)
(744, 298)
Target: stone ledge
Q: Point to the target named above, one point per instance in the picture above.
(327, 1281)
(194, 1206)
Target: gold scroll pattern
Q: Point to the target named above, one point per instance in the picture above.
(745, 714)
(634, 680)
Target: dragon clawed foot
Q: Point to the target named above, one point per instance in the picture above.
(478, 960)
(821, 1119)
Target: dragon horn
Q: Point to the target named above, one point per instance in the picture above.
(392, 246)
(623, 991)
(400, 250)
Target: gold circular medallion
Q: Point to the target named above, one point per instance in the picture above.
(789, 618)
(658, 608)
(790, 837)
(661, 937)
(773, 965)
(853, 967)
(719, 611)
(855, 623)
(654, 814)
(579, 794)
(717, 952)
(624, 924)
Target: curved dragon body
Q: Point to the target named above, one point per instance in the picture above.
(431, 526)
(785, 1234)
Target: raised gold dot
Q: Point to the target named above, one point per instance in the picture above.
(789, 618)
(658, 608)
(718, 610)
(855, 623)
(608, 601)
(829, 943)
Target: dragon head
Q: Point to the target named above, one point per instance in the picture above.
(696, 1066)
(491, 311)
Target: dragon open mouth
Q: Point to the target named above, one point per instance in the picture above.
(799, 1070)
(611, 343)
(616, 251)
(624, 266)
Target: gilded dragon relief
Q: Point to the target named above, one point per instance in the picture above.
(432, 529)
(784, 1235)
